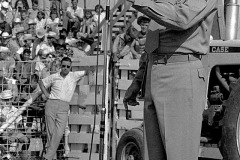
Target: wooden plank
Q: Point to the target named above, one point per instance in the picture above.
(83, 81)
(92, 77)
(124, 74)
(82, 156)
(129, 64)
(137, 115)
(83, 138)
(90, 100)
(83, 100)
(83, 119)
(210, 152)
(88, 61)
(127, 124)
(124, 84)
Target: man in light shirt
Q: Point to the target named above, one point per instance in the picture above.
(73, 17)
(62, 86)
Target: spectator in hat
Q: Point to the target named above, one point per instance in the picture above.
(40, 20)
(7, 111)
(138, 45)
(53, 21)
(5, 38)
(16, 24)
(51, 39)
(7, 64)
(122, 44)
(34, 11)
(42, 68)
(73, 18)
(32, 27)
(15, 44)
(28, 44)
(48, 46)
(39, 42)
(9, 84)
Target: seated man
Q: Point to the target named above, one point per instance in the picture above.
(7, 111)
(9, 84)
(24, 69)
(7, 64)
(73, 17)
(122, 44)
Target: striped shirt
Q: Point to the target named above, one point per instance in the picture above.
(62, 88)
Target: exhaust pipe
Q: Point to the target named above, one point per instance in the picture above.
(231, 19)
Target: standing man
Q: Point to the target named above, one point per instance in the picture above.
(62, 86)
(175, 94)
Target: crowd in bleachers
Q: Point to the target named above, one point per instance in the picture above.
(33, 40)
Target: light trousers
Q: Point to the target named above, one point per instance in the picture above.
(174, 102)
(56, 116)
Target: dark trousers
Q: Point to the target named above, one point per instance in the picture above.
(138, 82)
(174, 102)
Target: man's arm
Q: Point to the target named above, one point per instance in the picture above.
(68, 14)
(44, 84)
(115, 48)
(79, 74)
(43, 89)
(134, 52)
(173, 15)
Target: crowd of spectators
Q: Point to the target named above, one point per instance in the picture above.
(34, 38)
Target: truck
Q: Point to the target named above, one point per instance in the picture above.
(220, 134)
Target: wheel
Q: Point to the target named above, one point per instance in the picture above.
(130, 146)
(230, 142)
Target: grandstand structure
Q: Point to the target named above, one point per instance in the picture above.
(81, 138)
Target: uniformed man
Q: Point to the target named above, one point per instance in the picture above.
(175, 95)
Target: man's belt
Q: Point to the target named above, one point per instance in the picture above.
(172, 58)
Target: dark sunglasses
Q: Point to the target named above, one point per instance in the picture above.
(7, 100)
(64, 66)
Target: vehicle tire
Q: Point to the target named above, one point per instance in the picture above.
(130, 145)
(230, 142)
